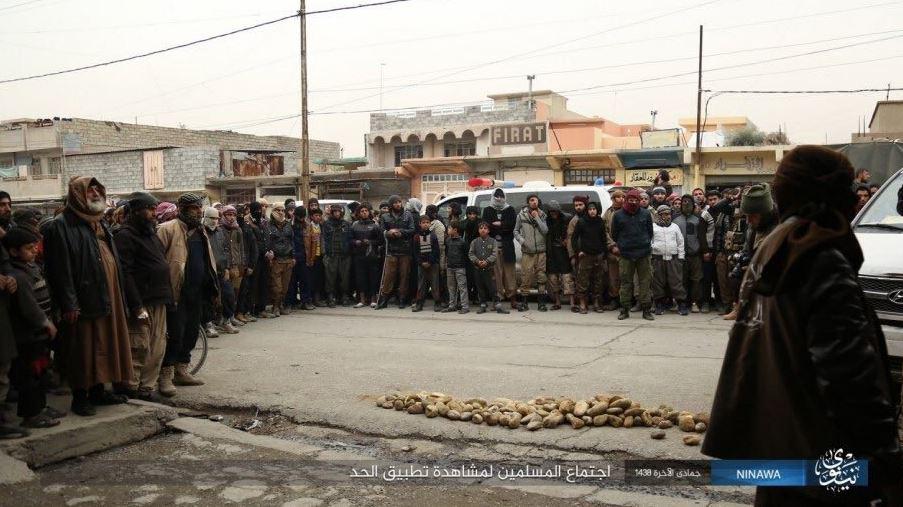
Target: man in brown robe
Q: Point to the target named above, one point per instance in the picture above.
(806, 368)
(82, 270)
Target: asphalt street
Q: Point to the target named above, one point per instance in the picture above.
(329, 365)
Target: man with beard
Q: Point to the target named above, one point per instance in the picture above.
(502, 218)
(530, 231)
(298, 294)
(398, 229)
(558, 262)
(808, 346)
(336, 234)
(659, 197)
(761, 218)
(192, 274)
(280, 254)
(312, 204)
(145, 275)
(579, 202)
(862, 197)
(631, 229)
(614, 280)
(220, 315)
(82, 268)
(695, 233)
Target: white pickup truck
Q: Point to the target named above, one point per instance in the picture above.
(879, 229)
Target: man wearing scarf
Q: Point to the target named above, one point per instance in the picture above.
(614, 279)
(192, 273)
(235, 245)
(398, 229)
(502, 218)
(245, 303)
(148, 290)
(260, 285)
(631, 229)
(82, 269)
(807, 346)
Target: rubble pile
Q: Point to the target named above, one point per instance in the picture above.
(550, 412)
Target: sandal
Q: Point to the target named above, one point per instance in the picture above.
(108, 398)
(39, 421)
(11, 432)
(555, 307)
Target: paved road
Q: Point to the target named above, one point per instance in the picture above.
(327, 366)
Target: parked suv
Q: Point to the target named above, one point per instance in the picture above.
(879, 229)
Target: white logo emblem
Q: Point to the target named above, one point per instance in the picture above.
(896, 297)
(836, 470)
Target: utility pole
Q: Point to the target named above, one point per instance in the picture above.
(888, 92)
(305, 138)
(697, 170)
(653, 113)
(530, 79)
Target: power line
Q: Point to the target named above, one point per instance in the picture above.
(6, 8)
(799, 92)
(199, 41)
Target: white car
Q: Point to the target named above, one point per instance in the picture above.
(879, 229)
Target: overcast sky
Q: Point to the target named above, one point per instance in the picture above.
(605, 56)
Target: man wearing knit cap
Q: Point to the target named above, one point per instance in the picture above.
(631, 229)
(235, 245)
(808, 345)
(398, 229)
(82, 269)
(695, 233)
(192, 274)
(658, 197)
(614, 279)
(530, 231)
(148, 290)
(761, 217)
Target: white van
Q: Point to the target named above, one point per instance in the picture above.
(517, 197)
(879, 229)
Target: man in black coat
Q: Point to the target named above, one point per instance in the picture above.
(502, 218)
(148, 291)
(398, 229)
(631, 230)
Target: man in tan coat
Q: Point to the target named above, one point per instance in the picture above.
(192, 273)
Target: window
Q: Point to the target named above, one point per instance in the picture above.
(588, 176)
(153, 170)
(460, 149)
(239, 195)
(429, 178)
(406, 151)
(54, 165)
(35, 169)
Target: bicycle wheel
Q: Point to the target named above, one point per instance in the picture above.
(199, 353)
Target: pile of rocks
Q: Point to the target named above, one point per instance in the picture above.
(549, 412)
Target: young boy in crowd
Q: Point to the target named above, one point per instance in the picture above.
(592, 266)
(471, 232)
(32, 329)
(314, 250)
(426, 246)
(456, 273)
(667, 261)
(483, 255)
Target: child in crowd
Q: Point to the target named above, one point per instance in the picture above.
(314, 249)
(667, 261)
(592, 266)
(456, 250)
(484, 252)
(32, 330)
(426, 246)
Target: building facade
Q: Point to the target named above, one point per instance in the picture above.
(38, 157)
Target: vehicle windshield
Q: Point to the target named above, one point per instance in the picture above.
(881, 212)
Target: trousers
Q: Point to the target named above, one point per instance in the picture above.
(396, 268)
(505, 279)
(668, 274)
(148, 342)
(591, 270)
(642, 268)
(485, 282)
(183, 324)
(426, 278)
(337, 269)
(280, 275)
(692, 278)
(533, 271)
(456, 280)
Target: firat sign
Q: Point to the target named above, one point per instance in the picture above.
(529, 133)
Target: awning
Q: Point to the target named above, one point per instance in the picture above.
(638, 159)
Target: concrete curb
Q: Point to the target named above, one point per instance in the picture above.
(114, 426)
(214, 430)
(13, 471)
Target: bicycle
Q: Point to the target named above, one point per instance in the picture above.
(199, 353)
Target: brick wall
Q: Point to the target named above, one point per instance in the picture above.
(100, 136)
(471, 115)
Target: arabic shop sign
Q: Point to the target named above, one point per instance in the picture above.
(645, 177)
(524, 133)
(749, 164)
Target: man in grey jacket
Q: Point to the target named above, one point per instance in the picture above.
(530, 231)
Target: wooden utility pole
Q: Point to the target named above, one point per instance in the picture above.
(697, 170)
(305, 139)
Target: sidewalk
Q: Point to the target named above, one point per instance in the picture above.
(113, 426)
